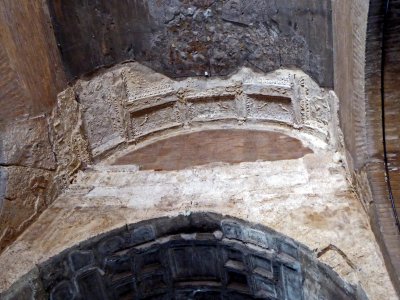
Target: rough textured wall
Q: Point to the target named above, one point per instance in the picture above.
(131, 103)
(187, 38)
(31, 76)
(177, 37)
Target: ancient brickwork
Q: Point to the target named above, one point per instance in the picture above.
(349, 60)
(358, 54)
(382, 211)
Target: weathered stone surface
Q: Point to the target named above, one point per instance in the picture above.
(382, 71)
(131, 103)
(359, 46)
(189, 38)
(349, 36)
(103, 117)
(31, 75)
(26, 143)
(69, 142)
(27, 193)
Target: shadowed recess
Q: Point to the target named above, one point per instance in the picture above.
(210, 146)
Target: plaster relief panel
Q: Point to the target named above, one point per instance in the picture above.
(271, 98)
(273, 108)
(214, 106)
(153, 119)
(151, 101)
(101, 99)
(132, 102)
(316, 104)
(144, 87)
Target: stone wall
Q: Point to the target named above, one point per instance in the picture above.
(383, 55)
(358, 55)
(40, 151)
(350, 28)
(31, 76)
(190, 38)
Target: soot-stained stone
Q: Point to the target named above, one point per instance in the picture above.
(232, 229)
(247, 262)
(91, 285)
(111, 245)
(188, 38)
(63, 290)
(140, 235)
(80, 259)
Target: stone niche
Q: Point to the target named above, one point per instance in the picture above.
(199, 256)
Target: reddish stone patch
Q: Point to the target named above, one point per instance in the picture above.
(204, 147)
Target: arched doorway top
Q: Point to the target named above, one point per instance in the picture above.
(196, 256)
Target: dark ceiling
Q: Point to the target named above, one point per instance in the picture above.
(183, 38)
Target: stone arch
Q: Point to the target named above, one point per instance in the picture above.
(196, 256)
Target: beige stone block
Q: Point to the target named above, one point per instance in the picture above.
(27, 192)
(26, 143)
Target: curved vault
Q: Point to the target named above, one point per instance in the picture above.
(199, 256)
